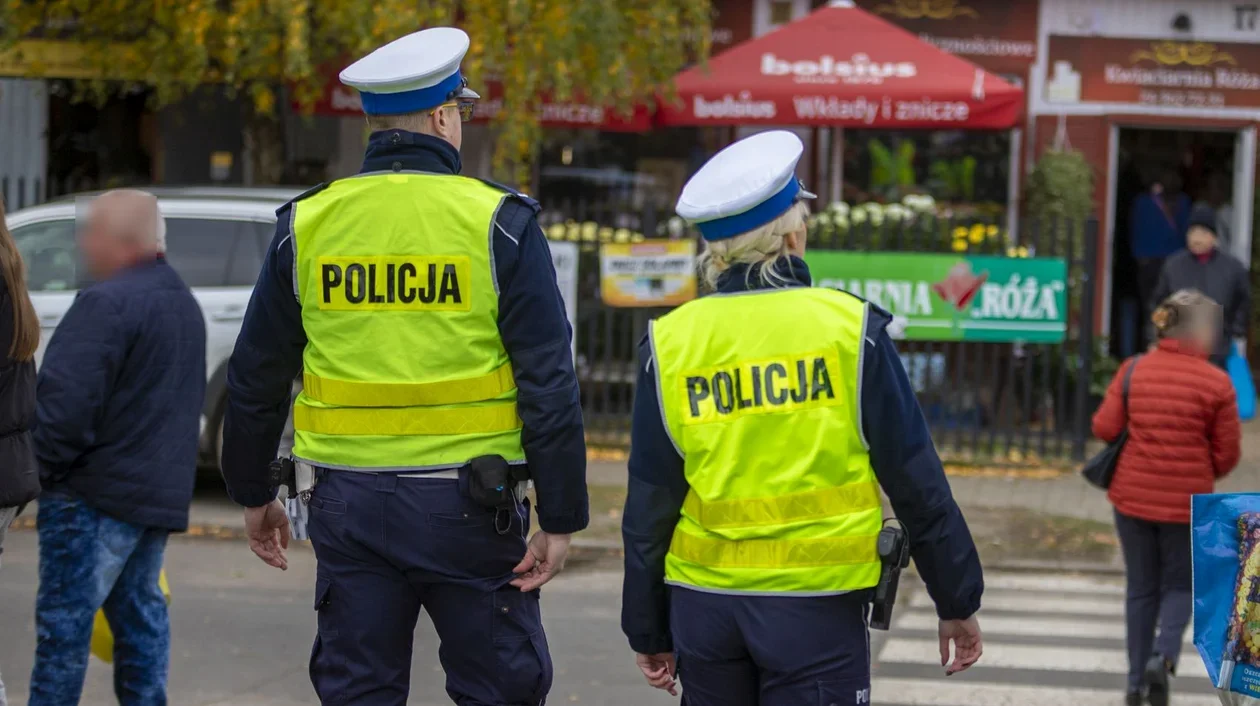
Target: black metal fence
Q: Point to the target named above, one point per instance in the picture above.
(1014, 401)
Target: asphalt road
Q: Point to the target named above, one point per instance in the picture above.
(242, 632)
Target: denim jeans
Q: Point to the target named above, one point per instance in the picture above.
(88, 561)
(6, 517)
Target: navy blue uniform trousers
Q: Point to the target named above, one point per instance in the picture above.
(388, 546)
(771, 650)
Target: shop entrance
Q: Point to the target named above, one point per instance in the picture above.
(1159, 175)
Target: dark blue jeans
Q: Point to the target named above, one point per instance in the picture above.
(1157, 571)
(88, 561)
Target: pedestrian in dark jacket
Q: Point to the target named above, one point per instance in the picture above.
(1205, 267)
(1184, 434)
(118, 416)
(19, 338)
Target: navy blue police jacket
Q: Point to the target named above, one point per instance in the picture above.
(902, 455)
(532, 324)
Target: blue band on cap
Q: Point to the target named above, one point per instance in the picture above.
(410, 101)
(755, 217)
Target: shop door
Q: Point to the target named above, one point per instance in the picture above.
(1244, 189)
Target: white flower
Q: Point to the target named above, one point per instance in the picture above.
(838, 207)
(677, 227)
(858, 215)
(842, 221)
(897, 212)
(823, 219)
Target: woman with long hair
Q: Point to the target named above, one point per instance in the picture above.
(766, 418)
(19, 339)
(1184, 434)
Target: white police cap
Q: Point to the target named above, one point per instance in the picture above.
(745, 186)
(413, 73)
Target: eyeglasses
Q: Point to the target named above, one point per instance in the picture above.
(467, 108)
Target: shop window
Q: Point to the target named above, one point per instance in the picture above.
(780, 12)
(965, 171)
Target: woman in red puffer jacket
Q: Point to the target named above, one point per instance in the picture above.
(1184, 433)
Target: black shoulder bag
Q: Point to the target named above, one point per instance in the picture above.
(1100, 469)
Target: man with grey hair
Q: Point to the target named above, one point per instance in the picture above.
(118, 407)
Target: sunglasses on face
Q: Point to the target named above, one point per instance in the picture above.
(467, 108)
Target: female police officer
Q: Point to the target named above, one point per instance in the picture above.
(765, 419)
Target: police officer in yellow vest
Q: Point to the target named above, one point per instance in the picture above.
(767, 417)
(422, 311)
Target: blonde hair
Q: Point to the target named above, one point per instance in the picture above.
(765, 245)
(1178, 315)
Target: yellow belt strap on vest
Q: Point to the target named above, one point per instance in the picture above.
(345, 393)
(349, 421)
(773, 553)
(785, 509)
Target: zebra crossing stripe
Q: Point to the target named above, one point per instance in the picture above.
(1057, 584)
(1009, 656)
(995, 626)
(1014, 602)
(920, 692)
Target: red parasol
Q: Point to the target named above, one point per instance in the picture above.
(842, 67)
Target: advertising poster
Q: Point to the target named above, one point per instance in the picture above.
(946, 297)
(647, 274)
(564, 256)
(1225, 532)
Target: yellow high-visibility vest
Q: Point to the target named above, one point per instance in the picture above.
(404, 368)
(760, 394)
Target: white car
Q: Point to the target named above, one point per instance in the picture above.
(215, 239)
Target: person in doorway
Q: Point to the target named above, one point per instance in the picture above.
(1157, 228)
(428, 399)
(19, 339)
(1204, 266)
(1184, 435)
(762, 516)
(1216, 196)
(118, 413)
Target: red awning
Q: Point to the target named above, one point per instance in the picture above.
(842, 67)
(343, 100)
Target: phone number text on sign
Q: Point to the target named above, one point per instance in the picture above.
(1184, 98)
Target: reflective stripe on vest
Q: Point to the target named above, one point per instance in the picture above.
(766, 416)
(403, 367)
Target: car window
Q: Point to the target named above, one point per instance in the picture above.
(247, 254)
(48, 249)
(199, 249)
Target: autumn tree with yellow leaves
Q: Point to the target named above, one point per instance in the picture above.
(608, 52)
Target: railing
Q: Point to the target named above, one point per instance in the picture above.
(1009, 400)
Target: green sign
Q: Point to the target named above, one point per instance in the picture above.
(949, 297)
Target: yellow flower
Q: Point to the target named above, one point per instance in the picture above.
(623, 235)
(589, 232)
(960, 245)
(556, 231)
(1023, 251)
(960, 231)
(976, 236)
(992, 231)
(1012, 252)
(605, 234)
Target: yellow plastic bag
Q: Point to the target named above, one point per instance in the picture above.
(103, 637)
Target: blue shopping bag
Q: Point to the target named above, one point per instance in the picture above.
(1244, 385)
(1225, 549)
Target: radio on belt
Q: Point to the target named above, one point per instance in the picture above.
(893, 547)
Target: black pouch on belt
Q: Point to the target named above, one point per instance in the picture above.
(490, 482)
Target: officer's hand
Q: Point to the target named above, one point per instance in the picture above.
(968, 646)
(659, 670)
(268, 530)
(544, 558)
